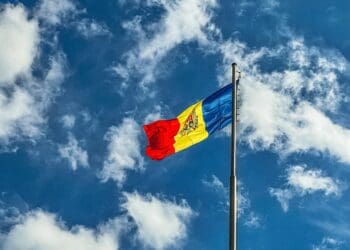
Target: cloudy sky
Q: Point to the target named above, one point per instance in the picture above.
(78, 79)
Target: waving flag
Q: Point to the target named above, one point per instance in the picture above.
(196, 123)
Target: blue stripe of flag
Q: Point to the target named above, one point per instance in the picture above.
(217, 109)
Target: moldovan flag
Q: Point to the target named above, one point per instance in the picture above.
(193, 125)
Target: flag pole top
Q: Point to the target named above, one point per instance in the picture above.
(234, 65)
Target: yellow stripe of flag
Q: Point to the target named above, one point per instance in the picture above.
(192, 127)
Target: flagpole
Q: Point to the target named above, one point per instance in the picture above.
(233, 179)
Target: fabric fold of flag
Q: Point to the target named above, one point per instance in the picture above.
(193, 125)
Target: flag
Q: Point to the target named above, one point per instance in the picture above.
(193, 125)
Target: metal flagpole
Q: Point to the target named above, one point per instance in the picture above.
(233, 179)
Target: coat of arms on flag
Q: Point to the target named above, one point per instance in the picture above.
(191, 123)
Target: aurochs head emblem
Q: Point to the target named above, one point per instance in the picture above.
(191, 123)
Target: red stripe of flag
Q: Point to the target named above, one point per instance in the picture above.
(161, 138)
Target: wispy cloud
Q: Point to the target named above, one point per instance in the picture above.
(302, 181)
(68, 121)
(155, 115)
(243, 200)
(216, 184)
(310, 181)
(54, 11)
(160, 223)
(11, 208)
(90, 28)
(222, 192)
(73, 153)
(252, 220)
(263, 6)
(328, 243)
(283, 196)
(123, 152)
(248, 217)
(183, 21)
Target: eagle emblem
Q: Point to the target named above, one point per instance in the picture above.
(191, 123)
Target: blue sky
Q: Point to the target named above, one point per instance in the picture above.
(78, 79)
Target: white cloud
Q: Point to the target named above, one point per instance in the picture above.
(90, 28)
(154, 116)
(9, 215)
(23, 108)
(68, 121)
(86, 116)
(160, 223)
(311, 134)
(19, 38)
(236, 51)
(244, 211)
(248, 217)
(266, 124)
(310, 181)
(252, 220)
(40, 230)
(54, 11)
(301, 181)
(24, 98)
(216, 184)
(73, 153)
(264, 6)
(328, 243)
(283, 196)
(67, 13)
(288, 127)
(243, 200)
(335, 225)
(48, 88)
(123, 151)
(183, 21)
(285, 110)
(271, 4)
(18, 115)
